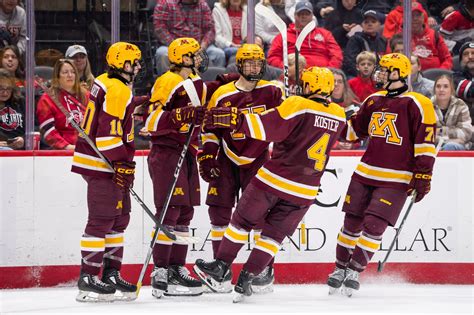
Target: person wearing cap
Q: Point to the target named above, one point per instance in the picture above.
(344, 21)
(464, 79)
(428, 44)
(367, 40)
(319, 47)
(394, 21)
(79, 55)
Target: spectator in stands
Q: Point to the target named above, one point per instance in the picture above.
(344, 21)
(418, 83)
(12, 62)
(13, 20)
(367, 40)
(322, 8)
(271, 73)
(440, 9)
(464, 79)
(230, 19)
(293, 88)
(319, 47)
(394, 21)
(185, 18)
(79, 55)
(345, 97)
(453, 122)
(458, 26)
(264, 26)
(65, 97)
(427, 43)
(396, 43)
(363, 85)
(12, 114)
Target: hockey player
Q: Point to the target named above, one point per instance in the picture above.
(229, 160)
(399, 158)
(108, 122)
(169, 124)
(287, 184)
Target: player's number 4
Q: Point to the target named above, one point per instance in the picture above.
(317, 152)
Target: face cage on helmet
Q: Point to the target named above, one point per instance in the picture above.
(379, 82)
(203, 65)
(252, 77)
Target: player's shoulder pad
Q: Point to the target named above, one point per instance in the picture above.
(297, 105)
(117, 96)
(222, 92)
(425, 106)
(164, 85)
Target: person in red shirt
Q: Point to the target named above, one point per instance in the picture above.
(319, 47)
(65, 95)
(363, 85)
(458, 26)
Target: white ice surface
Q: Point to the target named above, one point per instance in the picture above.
(287, 299)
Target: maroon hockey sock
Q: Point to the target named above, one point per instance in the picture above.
(257, 261)
(349, 233)
(215, 247)
(161, 255)
(228, 250)
(178, 254)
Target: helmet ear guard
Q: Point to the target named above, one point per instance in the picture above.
(392, 62)
(319, 80)
(250, 52)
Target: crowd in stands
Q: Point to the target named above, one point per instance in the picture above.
(349, 38)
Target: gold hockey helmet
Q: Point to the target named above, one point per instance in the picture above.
(121, 52)
(320, 80)
(184, 46)
(396, 61)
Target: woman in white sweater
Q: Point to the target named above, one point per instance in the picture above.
(230, 20)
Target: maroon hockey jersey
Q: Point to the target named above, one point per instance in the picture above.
(239, 148)
(303, 132)
(402, 131)
(167, 94)
(108, 122)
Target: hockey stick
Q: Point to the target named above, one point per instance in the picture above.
(299, 42)
(281, 26)
(89, 141)
(194, 100)
(381, 264)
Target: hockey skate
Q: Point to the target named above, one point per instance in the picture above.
(243, 287)
(335, 280)
(92, 289)
(351, 282)
(180, 283)
(263, 282)
(215, 274)
(126, 291)
(159, 281)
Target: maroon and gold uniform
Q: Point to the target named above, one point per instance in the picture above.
(108, 122)
(168, 93)
(287, 184)
(240, 156)
(401, 130)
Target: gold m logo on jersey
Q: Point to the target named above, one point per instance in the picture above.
(382, 125)
(213, 191)
(178, 191)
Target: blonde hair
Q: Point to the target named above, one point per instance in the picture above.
(301, 60)
(366, 55)
(450, 80)
(269, 3)
(78, 91)
(348, 95)
(88, 76)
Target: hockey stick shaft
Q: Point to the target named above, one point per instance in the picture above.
(299, 42)
(165, 208)
(381, 264)
(91, 143)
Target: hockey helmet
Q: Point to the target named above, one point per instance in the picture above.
(184, 46)
(396, 61)
(319, 80)
(121, 52)
(250, 52)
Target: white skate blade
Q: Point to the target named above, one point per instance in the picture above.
(262, 289)
(237, 298)
(333, 291)
(347, 291)
(92, 297)
(125, 296)
(157, 293)
(213, 285)
(179, 290)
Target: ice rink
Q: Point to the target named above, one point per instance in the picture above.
(287, 299)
